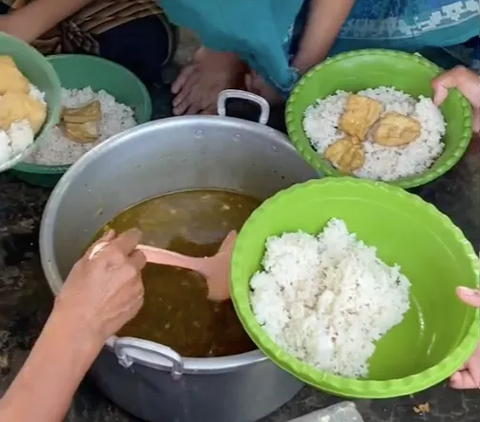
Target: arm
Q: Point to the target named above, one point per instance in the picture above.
(325, 20)
(36, 18)
(100, 295)
(43, 389)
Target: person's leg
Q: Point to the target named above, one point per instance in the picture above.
(135, 34)
(144, 46)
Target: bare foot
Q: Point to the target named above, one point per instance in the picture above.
(199, 83)
(256, 84)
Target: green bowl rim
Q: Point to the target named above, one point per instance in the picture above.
(58, 170)
(320, 164)
(331, 383)
(53, 106)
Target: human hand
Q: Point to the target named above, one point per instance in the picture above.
(467, 82)
(105, 291)
(468, 376)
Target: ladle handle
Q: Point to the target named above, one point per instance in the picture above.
(173, 259)
(162, 257)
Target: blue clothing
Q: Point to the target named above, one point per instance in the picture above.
(254, 29)
(445, 31)
(409, 24)
(265, 33)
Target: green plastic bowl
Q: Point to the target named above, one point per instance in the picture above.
(432, 252)
(41, 74)
(364, 69)
(80, 71)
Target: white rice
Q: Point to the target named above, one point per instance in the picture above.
(19, 135)
(57, 149)
(328, 299)
(36, 94)
(381, 162)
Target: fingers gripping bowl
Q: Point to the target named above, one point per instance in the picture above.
(426, 347)
(364, 72)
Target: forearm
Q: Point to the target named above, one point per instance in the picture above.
(325, 19)
(38, 17)
(44, 387)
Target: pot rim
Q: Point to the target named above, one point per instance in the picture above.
(54, 279)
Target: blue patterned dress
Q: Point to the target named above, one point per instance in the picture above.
(266, 33)
(414, 25)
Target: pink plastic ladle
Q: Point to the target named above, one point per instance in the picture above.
(215, 269)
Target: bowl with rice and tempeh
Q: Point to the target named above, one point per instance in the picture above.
(370, 114)
(99, 99)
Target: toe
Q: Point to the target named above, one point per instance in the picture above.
(186, 90)
(249, 82)
(183, 78)
(182, 106)
(186, 97)
(193, 109)
(210, 111)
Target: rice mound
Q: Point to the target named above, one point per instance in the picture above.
(328, 299)
(381, 162)
(57, 149)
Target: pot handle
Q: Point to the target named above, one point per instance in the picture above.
(131, 350)
(243, 95)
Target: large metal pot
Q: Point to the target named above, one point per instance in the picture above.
(148, 380)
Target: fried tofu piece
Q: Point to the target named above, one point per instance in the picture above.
(16, 106)
(82, 133)
(361, 113)
(11, 79)
(92, 112)
(346, 154)
(82, 124)
(395, 129)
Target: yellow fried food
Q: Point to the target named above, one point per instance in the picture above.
(346, 154)
(92, 112)
(82, 124)
(16, 106)
(361, 113)
(395, 129)
(11, 79)
(82, 133)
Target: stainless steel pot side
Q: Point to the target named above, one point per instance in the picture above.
(148, 380)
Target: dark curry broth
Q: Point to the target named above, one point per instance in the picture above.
(177, 312)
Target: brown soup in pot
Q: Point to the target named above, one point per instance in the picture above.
(177, 312)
